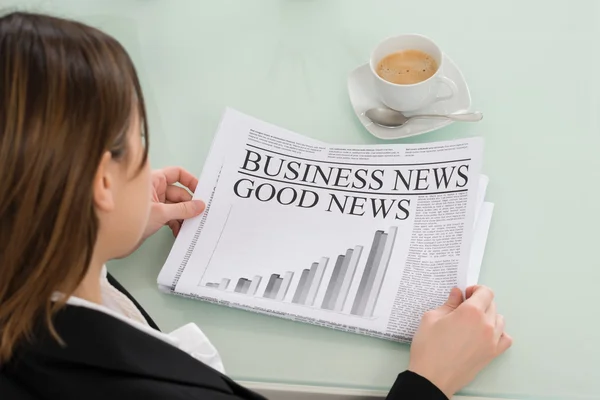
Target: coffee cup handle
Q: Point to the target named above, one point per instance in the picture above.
(442, 80)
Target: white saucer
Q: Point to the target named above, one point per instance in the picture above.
(363, 96)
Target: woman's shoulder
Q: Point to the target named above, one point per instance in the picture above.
(10, 389)
(109, 355)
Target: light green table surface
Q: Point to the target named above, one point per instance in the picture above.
(532, 67)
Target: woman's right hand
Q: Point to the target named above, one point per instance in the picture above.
(457, 340)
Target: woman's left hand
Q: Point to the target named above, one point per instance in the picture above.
(172, 204)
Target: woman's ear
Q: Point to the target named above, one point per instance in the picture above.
(104, 185)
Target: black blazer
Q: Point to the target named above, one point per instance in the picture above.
(107, 359)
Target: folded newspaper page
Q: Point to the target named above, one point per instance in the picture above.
(363, 239)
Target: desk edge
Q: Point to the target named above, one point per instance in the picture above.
(278, 391)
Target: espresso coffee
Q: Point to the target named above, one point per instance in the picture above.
(407, 67)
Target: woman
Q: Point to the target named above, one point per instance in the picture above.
(77, 192)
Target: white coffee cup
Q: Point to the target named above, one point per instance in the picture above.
(414, 96)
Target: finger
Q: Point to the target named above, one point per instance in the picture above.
(491, 314)
(499, 328)
(174, 226)
(455, 298)
(184, 210)
(178, 225)
(159, 183)
(470, 290)
(505, 342)
(178, 174)
(481, 298)
(177, 194)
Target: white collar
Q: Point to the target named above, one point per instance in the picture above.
(188, 338)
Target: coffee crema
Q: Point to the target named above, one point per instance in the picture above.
(407, 67)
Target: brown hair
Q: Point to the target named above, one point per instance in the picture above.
(67, 94)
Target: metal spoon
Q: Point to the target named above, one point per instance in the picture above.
(389, 118)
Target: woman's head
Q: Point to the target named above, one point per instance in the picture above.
(74, 178)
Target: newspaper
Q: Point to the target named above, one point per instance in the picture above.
(363, 239)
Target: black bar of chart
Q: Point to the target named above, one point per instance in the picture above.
(334, 284)
(224, 284)
(254, 284)
(285, 285)
(242, 286)
(271, 286)
(349, 271)
(298, 295)
(310, 281)
(315, 283)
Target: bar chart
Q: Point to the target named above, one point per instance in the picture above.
(310, 281)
